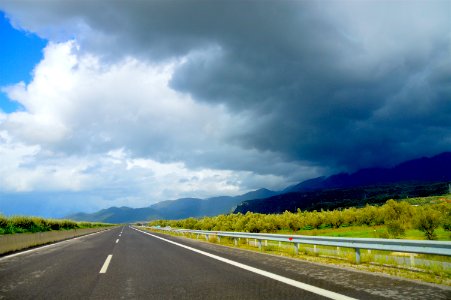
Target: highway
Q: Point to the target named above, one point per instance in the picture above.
(124, 263)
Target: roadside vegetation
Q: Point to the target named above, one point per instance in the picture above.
(22, 224)
(411, 218)
(415, 218)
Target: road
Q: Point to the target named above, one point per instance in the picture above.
(123, 263)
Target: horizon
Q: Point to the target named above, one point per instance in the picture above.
(129, 104)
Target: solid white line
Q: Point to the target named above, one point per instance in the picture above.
(106, 264)
(51, 245)
(300, 285)
(117, 241)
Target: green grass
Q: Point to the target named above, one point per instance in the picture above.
(428, 200)
(369, 232)
(23, 224)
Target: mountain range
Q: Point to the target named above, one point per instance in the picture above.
(422, 170)
(419, 177)
(172, 209)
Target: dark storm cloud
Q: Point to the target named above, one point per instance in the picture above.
(338, 84)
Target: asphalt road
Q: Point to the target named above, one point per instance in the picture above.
(134, 265)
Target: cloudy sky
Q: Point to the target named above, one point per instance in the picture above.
(111, 103)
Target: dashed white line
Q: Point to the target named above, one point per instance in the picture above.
(106, 264)
(117, 241)
(286, 280)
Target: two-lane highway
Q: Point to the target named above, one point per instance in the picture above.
(124, 263)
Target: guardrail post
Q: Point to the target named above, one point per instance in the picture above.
(235, 241)
(412, 260)
(357, 255)
(219, 238)
(296, 248)
(207, 237)
(280, 244)
(338, 250)
(197, 236)
(259, 242)
(315, 250)
(266, 243)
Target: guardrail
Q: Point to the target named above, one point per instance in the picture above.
(407, 246)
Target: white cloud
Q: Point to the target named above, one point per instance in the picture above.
(27, 168)
(75, 99)
(117, 130)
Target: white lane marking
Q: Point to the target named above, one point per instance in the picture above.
(300, 285)
(117, 241)
(106, 264)
(51, 245)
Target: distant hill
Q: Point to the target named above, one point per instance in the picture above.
(172, 209)
(419, 177)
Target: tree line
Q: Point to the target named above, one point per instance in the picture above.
(397, 216)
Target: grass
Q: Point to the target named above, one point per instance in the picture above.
(368, 232)
(372, 261)
(429, 199)
(23, 224)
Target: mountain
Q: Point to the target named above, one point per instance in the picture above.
(329, 199)
(414, 178)
(422, 170)
(117, 215)
(172, 209)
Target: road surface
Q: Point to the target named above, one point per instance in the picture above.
(124, 263)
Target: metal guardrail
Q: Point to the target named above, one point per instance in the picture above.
(407, 246)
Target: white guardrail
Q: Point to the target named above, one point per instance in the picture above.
(407, 246)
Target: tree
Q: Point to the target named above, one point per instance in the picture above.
(336, 218)
(314, 219)
(395, 228)
(398, 216)
(367, 215)
(427, 220)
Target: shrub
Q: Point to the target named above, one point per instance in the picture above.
(20, 224)
(3, 222)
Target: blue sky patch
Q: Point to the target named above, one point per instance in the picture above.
(20, 51)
